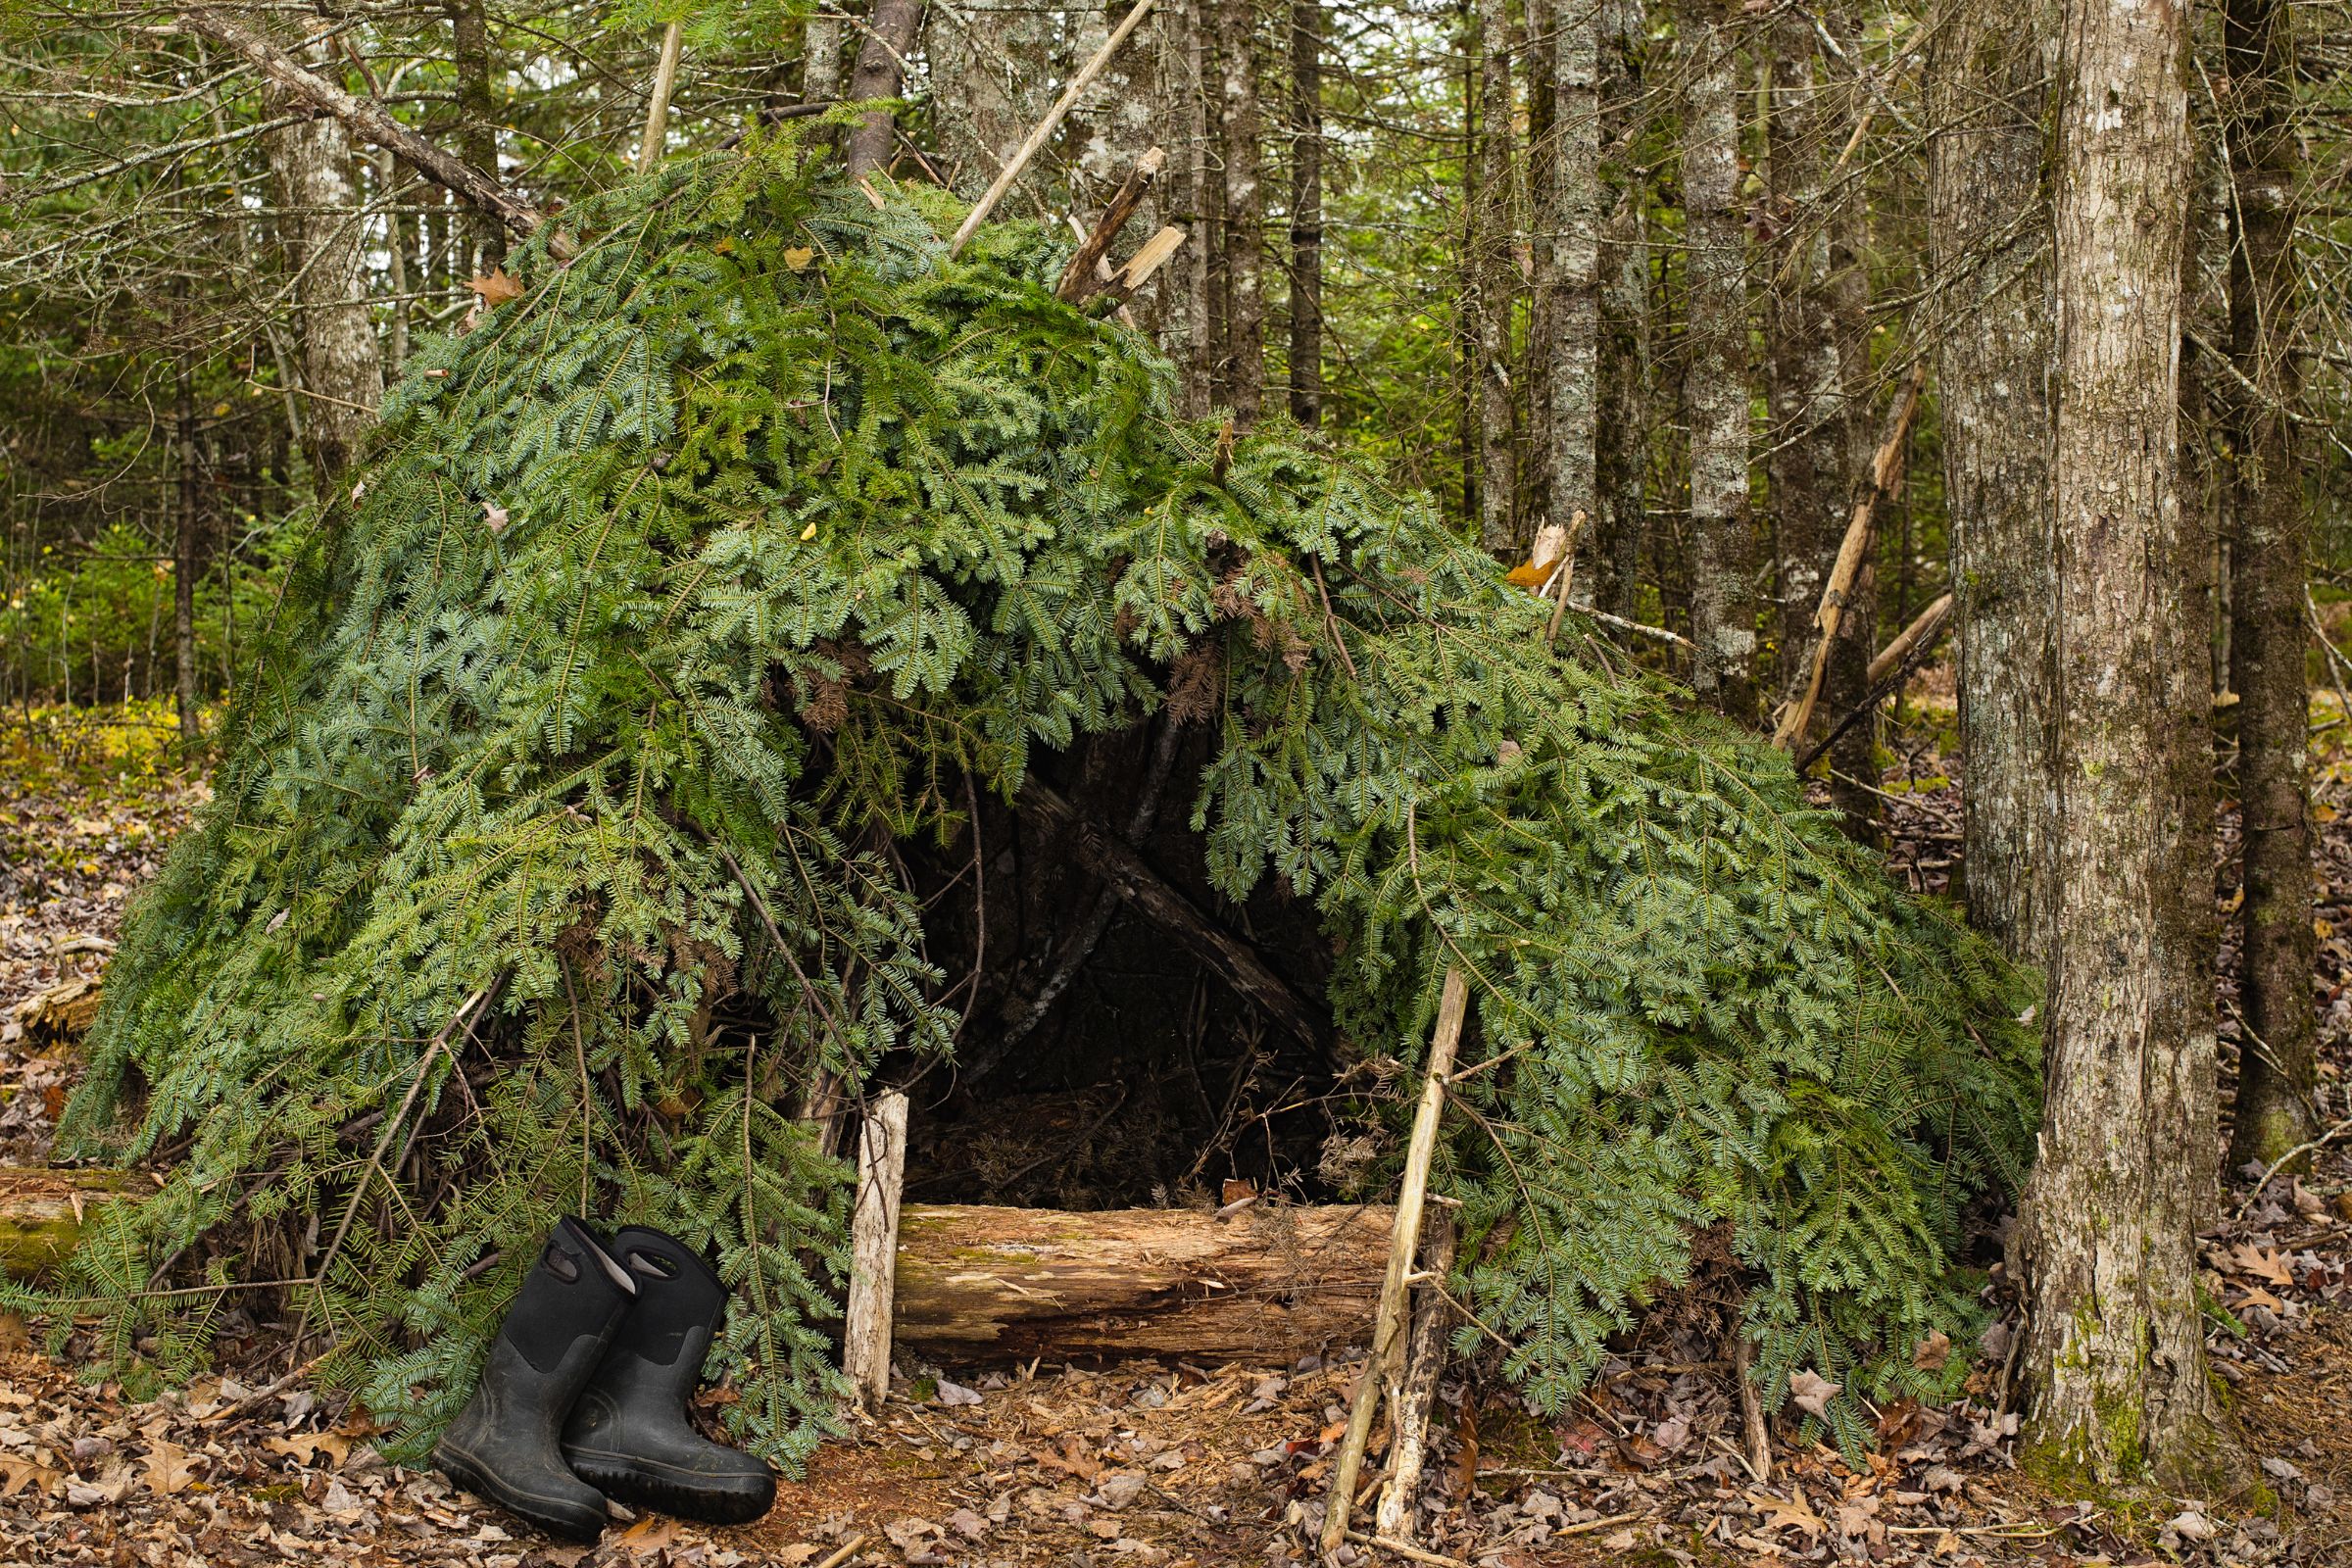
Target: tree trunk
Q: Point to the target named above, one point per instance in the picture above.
(1804, 387)
(1722, 555)
(184, 565)
(2277, 1066)
(1623, 439)
(1988, 224)
(821, 66)
(987, 85)
(1854, 755)
(879, 73)
(1121, 117)
(1245, 216)
(477, 121)
(1189, 333)
(1307, 212)
(2116, 1347)
(1571, 433)
(1491, 269)
(321, 222)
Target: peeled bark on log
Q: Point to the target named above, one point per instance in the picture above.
(978, 1284)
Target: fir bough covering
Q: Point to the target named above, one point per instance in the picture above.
(678, 587)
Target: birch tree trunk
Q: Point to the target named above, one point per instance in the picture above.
(1723, 553)
(2276, 1068)
(1989, 216)
(1571, 433)
(1245, 216)
(1307, 212)
(821, 66)
(321, 222)
(2116, 1348)
(1622, 428)
(1493, 294)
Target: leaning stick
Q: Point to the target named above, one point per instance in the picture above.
(657, 108)
(1388, 1331)
(874, 1249)
(1045, 127)
(1885, 482)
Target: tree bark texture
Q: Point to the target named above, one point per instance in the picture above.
(1989, 209)
(1244, 236)
(1122, 117)
(321, 222)
(2276, 1066)
(1855, 754)
(1188, 337)
(1571, 430)
(880, 72)
(1307, 212)
(989, 69)
(1492, 275)
(477, 121)
(1723, 549)
(2116, 1348)
(188, 514)
(1622, 458)
(1804, 372)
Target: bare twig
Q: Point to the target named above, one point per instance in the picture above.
(657, 107)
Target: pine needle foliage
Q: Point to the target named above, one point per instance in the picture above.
(678, 589)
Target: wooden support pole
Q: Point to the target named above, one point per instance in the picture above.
(1885, 483)
(1408, 1452)
(657, 108)
(1086, 268)
(874, 1249)
(1388, 1328)
(1045, 128)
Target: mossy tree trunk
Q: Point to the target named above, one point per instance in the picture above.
(1988, 206)
(2276, 1066)
(2116, 1348)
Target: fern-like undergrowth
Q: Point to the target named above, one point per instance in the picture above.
(677, 588)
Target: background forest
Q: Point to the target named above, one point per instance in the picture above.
(1814, 335)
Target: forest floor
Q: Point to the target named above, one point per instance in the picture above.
(1158, 1463)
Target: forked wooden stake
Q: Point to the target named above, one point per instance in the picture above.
(874, 1249)
(1387, 1329)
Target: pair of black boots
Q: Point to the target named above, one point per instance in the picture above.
(585, 1392)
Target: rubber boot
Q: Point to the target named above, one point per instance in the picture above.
(629, 1433)
(503, 1447)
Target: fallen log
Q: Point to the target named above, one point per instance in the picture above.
(980, 1285)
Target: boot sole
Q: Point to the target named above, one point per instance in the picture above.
(571, 1527)
(666, 1494)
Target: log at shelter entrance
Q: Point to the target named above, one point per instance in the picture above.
(774, 659)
